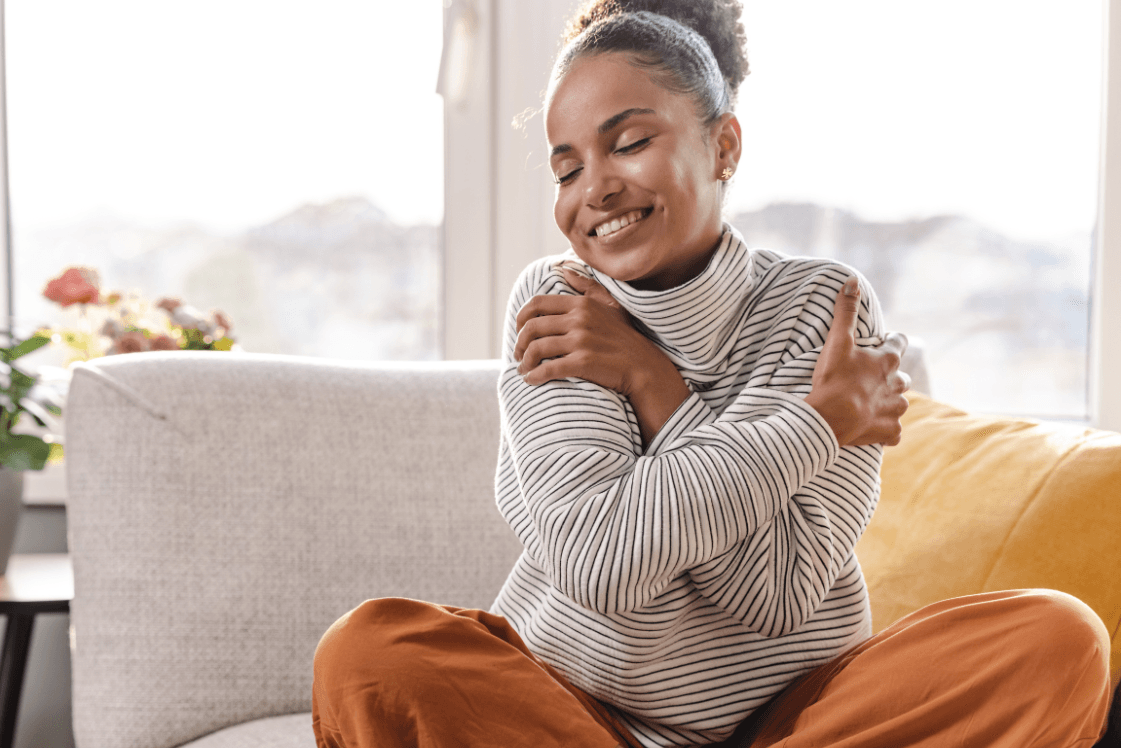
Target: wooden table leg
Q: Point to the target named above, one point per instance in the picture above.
(13, 662)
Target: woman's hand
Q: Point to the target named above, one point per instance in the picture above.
(859, 391)
(591, 337)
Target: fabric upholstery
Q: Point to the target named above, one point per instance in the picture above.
(289, 731)
(225, 509)
(974, 503)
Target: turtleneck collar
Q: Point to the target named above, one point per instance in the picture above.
(696, 323)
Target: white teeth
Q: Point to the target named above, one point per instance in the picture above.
(610, 227)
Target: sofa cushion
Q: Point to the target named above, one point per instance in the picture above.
(974, 503)
(289, 731)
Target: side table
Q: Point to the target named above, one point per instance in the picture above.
(34, 583)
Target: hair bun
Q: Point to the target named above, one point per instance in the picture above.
(718, 21)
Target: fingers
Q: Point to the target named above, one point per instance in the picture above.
(540, 350)
(558, 358)
(896, 342)
(894, 427)
(843, 328)
(589, 288)
(887, 429)
(902, 382)
(547, 304)
(540, 306)
(554, 368)
(536, 328)
(579, 282)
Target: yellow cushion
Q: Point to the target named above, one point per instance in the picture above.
(981, 503)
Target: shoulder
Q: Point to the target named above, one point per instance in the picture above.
(541, 276)
(772, 267)
(811, 285)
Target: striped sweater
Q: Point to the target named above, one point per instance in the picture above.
(686, 583)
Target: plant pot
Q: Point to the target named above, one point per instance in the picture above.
(11, 506)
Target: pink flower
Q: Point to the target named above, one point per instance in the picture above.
(131, 342)
(75, 286)
(221, 320)
(163, 343)
(168, 304)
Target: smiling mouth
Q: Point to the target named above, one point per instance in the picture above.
(608, 228)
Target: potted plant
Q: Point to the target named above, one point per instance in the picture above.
(19, 451)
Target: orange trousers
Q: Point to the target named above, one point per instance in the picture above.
(1017, 669)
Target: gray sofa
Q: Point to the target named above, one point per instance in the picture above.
(225, 509)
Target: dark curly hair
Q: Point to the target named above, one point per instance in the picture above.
(693, 47)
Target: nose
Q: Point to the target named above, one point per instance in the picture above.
(601, 184)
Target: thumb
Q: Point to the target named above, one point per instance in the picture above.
(842, 331)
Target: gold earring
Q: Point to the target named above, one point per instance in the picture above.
(726, 174)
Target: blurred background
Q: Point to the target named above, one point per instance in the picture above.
(284, 162)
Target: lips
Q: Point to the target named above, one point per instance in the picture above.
(607, 228)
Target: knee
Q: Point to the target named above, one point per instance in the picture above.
(1066, 633)
(1064, 620)
(361, 642)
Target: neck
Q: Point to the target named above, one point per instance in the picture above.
(676, 276)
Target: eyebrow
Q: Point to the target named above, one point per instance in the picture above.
(608, 125)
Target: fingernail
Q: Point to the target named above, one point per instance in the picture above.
(851, 287)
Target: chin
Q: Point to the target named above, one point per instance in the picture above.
(613, 270)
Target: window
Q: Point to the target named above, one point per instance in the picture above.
(282, 162)
(950, 152)
(496, 208)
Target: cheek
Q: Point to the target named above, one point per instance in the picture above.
(564, 210)
(691, 186)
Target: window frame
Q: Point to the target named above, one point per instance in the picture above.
(498, 213)
(1105, 312)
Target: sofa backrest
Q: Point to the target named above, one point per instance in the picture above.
(225, 509)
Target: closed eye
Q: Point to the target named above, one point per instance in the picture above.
(566, 178)
(634, 147)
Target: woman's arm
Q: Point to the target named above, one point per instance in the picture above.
(858, 391)
(590, 336)
(743, 504)
(775, 580)
(612, 528)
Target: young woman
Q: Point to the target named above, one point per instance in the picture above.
(691, 440)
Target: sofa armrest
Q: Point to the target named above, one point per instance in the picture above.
(225, 509)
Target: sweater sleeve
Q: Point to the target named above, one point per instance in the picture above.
(774, 580)
(610, 526)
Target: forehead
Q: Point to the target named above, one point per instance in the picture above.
(598, 87)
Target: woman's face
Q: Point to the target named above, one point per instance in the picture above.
(638, 192)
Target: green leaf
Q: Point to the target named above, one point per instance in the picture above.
(34, 343)
(23, 452)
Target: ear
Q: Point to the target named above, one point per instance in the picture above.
(728, 138)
